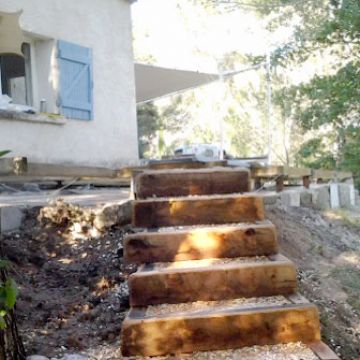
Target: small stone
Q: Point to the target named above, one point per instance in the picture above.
(37, 357)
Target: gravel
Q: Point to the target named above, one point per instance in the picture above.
(167, 309)
(206, 262)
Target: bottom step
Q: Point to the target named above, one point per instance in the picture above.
(289, 351)
(164, 329)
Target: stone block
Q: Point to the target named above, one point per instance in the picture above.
(334, 196)
(290, 198)
(321, 197)
(306, 198)
(11, 218)
(347, 195)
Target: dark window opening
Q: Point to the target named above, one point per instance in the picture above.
(15, 78)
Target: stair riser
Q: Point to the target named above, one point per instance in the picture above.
(200, 244)
(211, 283)
(184, 183)
(163, 336)
(197, 211)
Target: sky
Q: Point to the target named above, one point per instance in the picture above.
(189, 38)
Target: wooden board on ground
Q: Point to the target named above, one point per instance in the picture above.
(197, 210)
(201, 243)
(213, 330)
(211, 279)
(184, 182)
(13, 165)
(323, 351)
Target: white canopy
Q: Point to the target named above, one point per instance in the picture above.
(11, 37)
(153, 82)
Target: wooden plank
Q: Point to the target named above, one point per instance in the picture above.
(197, 210)
(184, 182)
(331, 175)
(211, 279)
(276, 170)
(201, 243)
(52, 170)
(217, 330)
(13, 165)
(183, 164)
(323, 351)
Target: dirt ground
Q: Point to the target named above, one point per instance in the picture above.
(325, 246)
(74, 296)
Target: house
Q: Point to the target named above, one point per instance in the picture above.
(77, 74)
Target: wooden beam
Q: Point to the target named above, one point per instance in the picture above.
(201, 243)
(211, 279)
(277, 170)
(183, 164)
(184, 182)
(217, 329)
(331, 175)
(197, 210)
(13, 165)
(83, 172)
(323, 351)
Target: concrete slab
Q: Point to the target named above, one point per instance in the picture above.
(306, 198)
(321, 197)
(347, 195)
(82, 197)
(334, 196)
(11, 218)
(290, 198)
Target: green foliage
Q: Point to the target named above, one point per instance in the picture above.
(8, 296)
(4, 152)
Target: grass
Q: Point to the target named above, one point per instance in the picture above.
(349, 277)
(349, 217)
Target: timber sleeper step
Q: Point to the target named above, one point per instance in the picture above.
(184, 328)
(222, 241)
(197, 210)
(184, 182)
(212, 279)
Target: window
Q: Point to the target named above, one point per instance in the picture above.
(15, 76)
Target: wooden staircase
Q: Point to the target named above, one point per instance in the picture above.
(210, 276)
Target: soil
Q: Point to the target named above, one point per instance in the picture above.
(73, 287)
(73, 290)
(325, 246)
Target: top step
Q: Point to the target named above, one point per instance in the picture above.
(185, 182)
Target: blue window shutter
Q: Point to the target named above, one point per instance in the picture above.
(76, 81)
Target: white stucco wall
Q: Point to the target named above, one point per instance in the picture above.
(110, 139)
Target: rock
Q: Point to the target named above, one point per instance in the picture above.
(11, 218)
(114, 214)
(37, 357)
(32, 187)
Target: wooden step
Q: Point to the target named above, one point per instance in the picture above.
(201, 243)
(211, 279)
(197, 210)
(182, 182)
(161, 330)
